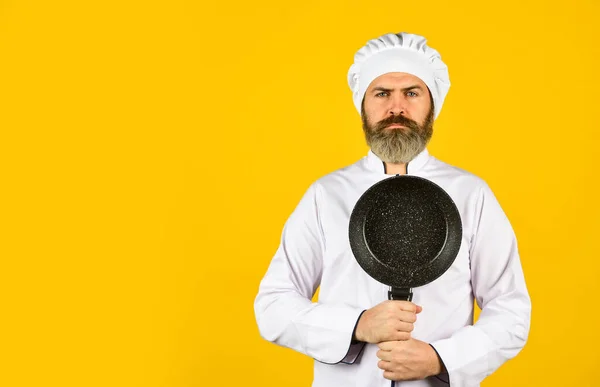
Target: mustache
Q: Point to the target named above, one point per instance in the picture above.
(400, 120)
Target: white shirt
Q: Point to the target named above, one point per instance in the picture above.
(315, 251)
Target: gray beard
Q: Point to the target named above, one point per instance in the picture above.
(398, 145)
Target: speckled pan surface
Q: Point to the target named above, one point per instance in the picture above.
(405, 231)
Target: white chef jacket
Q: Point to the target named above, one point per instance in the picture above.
(315, 251)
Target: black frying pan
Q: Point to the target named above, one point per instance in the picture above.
(405, 231)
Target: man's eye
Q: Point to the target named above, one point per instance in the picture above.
(411, 94)
(382, 94)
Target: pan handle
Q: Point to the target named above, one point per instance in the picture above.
(404, 294)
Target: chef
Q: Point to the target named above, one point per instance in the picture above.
(355, 335)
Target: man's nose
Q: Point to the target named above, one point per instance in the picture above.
(397, 106)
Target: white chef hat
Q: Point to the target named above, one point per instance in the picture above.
(403, 52)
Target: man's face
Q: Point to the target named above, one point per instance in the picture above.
(397, 115)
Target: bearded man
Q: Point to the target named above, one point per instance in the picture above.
(356, 336)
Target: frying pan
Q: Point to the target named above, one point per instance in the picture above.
(405, 231)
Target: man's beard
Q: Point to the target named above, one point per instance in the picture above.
(397, 145)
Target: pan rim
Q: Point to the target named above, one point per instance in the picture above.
(412, 277)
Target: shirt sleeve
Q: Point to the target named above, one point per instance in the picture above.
(475, 351)
(283, 308)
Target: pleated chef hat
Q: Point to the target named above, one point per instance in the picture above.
(403, 52)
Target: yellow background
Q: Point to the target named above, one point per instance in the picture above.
(151, 151)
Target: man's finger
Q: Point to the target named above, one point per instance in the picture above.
(402, 336)
(384, 355)
(406, 316)
(406, 306)
(389, 375)
(403, 326)
(386, 345)
(384, 365)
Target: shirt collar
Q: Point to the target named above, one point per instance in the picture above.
(374, 163)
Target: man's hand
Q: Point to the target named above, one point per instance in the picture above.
(408, 360)
(387, 321)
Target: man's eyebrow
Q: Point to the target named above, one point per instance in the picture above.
(412, 87)
(380, 88)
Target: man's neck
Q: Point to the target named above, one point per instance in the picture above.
(395, 169)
